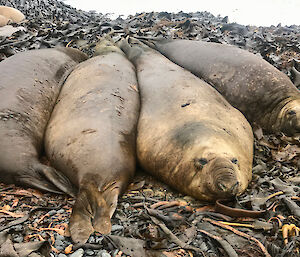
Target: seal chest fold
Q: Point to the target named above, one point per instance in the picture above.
(203, 149)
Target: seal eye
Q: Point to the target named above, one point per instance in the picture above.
(234, 160)
(199, 163)
(203, 161)
(291, 112)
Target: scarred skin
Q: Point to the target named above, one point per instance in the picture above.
(262, 93)
(9, 14)
(189, 136)
(29, 85)
(91, 137)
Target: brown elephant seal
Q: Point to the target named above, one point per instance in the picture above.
(91, 137)
(9, 15)
(29, 85)
(261, 92)
(188, 134)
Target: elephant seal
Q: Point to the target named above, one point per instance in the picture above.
(9, 14)
(188, 134)
(91, 137)
(29, 85)
(3, 21)
(261, 92)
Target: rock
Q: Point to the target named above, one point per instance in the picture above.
(78, 253)
(103, 253)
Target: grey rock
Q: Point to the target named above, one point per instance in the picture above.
(103, 253)
(78, 253)
(116, 228)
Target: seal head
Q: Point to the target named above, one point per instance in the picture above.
(289, 118)
(215, 169)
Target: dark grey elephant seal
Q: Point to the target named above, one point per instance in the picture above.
(262, 93)
(91, 137)
(29, 85)
(9, 14)
(189, 136)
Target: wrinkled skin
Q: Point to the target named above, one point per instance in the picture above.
(9, 14)
(29, 86)
(91, 137)
(188, 134)
(248, 82)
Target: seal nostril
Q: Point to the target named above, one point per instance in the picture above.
(235, 187)
(222, 187)
(234, 160)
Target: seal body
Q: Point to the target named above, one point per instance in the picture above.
(91, 137)
(29, 86)
(262, 93)
(9, 14)
(189, 136)
(3, 21)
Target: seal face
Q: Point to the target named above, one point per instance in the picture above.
(248, 82)
(9, 14)
(29, 85)
(188, 134)
(91, 137)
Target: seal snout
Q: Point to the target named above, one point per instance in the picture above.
(225, 181)
(228, 187)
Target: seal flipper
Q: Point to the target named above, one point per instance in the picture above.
(47, 179)
(90, 213)
(56, 178)
(38, 183)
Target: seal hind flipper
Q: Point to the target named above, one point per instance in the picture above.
(47, 179)
(56, 178)
(90, 213)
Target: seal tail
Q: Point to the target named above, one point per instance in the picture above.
(48, 179)
(92, 212)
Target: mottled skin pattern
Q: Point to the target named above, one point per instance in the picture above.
(189, 136)
(91, 137)
(9, 14)
(29, 86)
(262, 93)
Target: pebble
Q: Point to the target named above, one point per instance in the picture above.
(103, 253)
(78, 253)
(18, 238)
(18, 228)
(52, 212)
(60, 211)
(116, 228)
(89, 252)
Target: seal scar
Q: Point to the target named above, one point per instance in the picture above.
(184, 105)
(88, 131)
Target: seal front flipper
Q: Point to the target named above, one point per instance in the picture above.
(92, 213)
